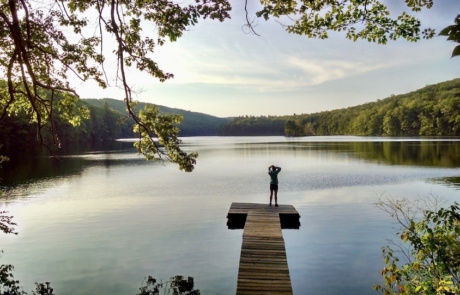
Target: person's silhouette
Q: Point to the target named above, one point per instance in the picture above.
(273, 172)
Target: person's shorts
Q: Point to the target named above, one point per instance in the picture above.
(273, 187)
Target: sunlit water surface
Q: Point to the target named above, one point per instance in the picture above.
(107, 220)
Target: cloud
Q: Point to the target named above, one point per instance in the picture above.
(319, 71)
(218, 69)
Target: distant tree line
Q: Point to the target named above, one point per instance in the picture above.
(253, 126)
(193, 123)
(106, 121)
(431, 111)
(103, 124)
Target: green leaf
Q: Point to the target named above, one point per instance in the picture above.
(456, 51)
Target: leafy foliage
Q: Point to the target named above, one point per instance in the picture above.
(193, 123)
(178, 285)
(165, 127)
(431, 111)
(6, 223)
(368, 20)
(291, 128)
(250, 126)
(432, 258)
(8, 285)
(107, 121)
(41, 44)
(38, 53)
(453, 34)
(43, 289)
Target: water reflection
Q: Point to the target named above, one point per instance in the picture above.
(23, 170)
(118, 217)
(449, 181)
(444, 154)
(404, 152)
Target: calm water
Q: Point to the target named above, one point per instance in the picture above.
(99, 223)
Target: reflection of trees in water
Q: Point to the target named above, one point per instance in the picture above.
(23, 169)
(408, 153)
(450, 181)
(19, 171)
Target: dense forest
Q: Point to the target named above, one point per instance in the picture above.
(108, 121)
(253, 126)
(431, 111)
(193, 123)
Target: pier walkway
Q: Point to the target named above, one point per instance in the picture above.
(263, 265)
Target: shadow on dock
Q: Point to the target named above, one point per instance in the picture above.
(237, 215)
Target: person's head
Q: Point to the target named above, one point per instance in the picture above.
(272, 167)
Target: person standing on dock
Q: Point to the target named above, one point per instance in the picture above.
(273, 172)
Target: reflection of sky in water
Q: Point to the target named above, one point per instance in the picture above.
(120, 218)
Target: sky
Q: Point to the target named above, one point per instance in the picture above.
(222, 71)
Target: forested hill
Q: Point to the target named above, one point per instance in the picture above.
(193, 124)
(108, 121)
(431, 111)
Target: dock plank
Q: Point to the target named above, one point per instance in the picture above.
(263, 267)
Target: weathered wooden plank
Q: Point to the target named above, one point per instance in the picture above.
(243, 208)
(263, 267)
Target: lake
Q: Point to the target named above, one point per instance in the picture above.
(100, 222)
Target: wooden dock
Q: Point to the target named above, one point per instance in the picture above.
(263, 265)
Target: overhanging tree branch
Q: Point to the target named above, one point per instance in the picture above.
(38, 51)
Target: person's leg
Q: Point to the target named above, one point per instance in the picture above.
(276, 197)
(271, 196)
